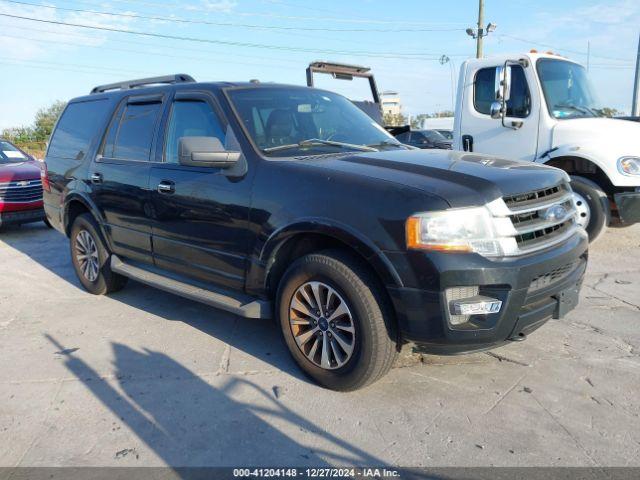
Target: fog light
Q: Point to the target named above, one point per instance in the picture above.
(477, 305)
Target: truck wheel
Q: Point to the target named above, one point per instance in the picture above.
(592, 203)
(91, 259)
(335, 321)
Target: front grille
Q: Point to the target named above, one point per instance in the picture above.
(555, 275)
(541, 218)
(26, 191)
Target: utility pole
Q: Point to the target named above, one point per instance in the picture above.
(635, 106)
(480, 31)
(480, 35)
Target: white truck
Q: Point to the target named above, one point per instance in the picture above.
(541, 107)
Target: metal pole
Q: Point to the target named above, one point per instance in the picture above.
(480, 29)
(635, 106)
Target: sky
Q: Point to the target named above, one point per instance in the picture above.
(274, 40)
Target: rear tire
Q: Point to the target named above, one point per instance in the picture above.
(597, 206)
(366, 343)
(91, 259)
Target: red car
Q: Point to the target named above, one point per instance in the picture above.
(20, 186)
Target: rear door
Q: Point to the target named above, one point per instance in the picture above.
(488, 134)
(200, 224)
(120, 175)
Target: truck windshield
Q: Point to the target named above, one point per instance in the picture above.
(299, 121)
(10, 154)
(567, 89)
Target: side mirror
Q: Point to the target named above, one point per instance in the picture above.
(205, 152)
(495, 110)
(503, 83)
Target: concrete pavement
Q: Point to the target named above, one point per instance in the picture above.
(145, 378)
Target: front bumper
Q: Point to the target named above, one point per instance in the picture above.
(628, 204)
(532, 289)
(21, 216)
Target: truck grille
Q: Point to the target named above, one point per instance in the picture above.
(27, 191)
(542, 218)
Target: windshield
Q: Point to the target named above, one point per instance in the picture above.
(298, 121)
(448, 134)
(567, 89)
(434, 136)
(11, 154)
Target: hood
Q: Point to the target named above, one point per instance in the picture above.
(14, 172)
(462, 179)
(619, 137)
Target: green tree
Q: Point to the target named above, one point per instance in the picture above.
(391, 120)
(45, 120)
(608, 112)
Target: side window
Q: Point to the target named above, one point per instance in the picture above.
(403, 137)
(519, 105)
(131, 132)
(78, 126)
(190, 118)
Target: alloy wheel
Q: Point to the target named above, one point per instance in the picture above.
(87, 255)
(322, 325)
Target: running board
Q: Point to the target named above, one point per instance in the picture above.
(238, 304)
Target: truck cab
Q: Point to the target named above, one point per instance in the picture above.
(540, 107)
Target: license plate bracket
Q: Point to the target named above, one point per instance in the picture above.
(567, 300)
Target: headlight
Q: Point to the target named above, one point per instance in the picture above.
(629, 165)
(460, 230)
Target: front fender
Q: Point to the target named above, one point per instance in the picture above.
(335, 230)
(591, 154)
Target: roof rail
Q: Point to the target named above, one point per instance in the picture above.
(144, 82)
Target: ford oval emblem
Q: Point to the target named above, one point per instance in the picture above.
(555, 213)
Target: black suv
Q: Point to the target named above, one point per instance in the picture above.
(281, 201)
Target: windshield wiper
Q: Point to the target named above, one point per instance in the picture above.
(384, 143)
(316, 141)
(576, 108)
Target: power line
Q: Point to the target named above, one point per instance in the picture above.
(576, 52)
(343, 19)
(404, 56)
(141, 52)
(231, 24)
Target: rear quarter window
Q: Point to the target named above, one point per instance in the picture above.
(79, 124)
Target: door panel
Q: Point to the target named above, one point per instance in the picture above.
(200, 229)
(489, 135)
(120, 176)
(200, 215)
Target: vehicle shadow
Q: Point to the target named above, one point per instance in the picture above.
(258, 338)
(188, 422)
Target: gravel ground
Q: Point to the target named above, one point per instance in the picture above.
(144, 378)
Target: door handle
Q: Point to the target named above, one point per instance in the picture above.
(467, 143)
(166, 186)
(96, 177)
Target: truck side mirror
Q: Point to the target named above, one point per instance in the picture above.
(205, 152)
(495, 110)
(503, 83)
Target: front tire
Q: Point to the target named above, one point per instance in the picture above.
(336, 321)
(91, 259)
(593, 206)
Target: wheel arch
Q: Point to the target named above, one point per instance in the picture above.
(291, 242)
(77, 204)
(584, 167)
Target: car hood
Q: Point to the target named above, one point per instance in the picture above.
(14, 172)
(462, 179)
(621, 137)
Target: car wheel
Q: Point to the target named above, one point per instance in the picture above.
(592, 204)
(335, 321)
(91, 258)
